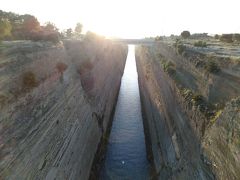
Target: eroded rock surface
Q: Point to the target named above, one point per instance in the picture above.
(174, 145)
(56, 102)
(191, 107)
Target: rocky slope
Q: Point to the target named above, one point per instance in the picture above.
(222, 142)
(182, 123)
(174, 145)
(56, 102)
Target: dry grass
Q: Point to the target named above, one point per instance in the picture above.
(29, 81)
(61, 67)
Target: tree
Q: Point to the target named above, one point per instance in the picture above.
(30, 24)
(50, 27)
(5, 28)
(69, 33)
(185, 34)
(78, 29)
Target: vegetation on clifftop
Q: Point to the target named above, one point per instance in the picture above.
(27, 27)
(200, 44)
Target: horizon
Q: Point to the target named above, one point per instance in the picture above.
(134, 19)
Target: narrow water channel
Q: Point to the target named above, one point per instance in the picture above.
(126, 156)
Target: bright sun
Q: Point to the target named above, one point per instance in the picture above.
(134, 18)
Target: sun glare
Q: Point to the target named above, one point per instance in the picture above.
(135, 18)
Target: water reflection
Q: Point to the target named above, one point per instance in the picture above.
(126, 152)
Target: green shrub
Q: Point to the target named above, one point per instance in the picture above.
(200, 44)
(187, 94)
(5, 28)
(197, 99)
(216, 36)
(45, 36)
(169, 67)
(185, 34)
(29, 81)
(180, 48)
(212, 67)
(228, 38)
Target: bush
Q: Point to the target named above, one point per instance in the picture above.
(61, 67)
(198, 101)
(29, 81)
(45, 36)
(158, 38)
(52, 36)
(200, 44)
(216, 36)
(5, 28)
(187, 94)
(228, 38)
(180, 48)
(169, 67)
(236, 37)
(212, 67)
(185, 34)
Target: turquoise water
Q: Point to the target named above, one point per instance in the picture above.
(126, 156)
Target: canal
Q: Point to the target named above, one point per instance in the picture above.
(126, 156)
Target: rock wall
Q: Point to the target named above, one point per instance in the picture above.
(56, 102)
(222, 142)
(216, 88)
(175, 145)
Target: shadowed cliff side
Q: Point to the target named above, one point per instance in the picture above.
(175, 145)
(56, 102)
(190, 96)
(222, 142)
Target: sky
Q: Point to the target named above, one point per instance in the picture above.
(134, 18)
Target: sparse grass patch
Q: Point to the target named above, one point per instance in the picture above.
(200, 44)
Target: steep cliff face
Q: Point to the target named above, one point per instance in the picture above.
(175, 144)
(222, 142)
(56, 103)
(193, 71)
(191, 107)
